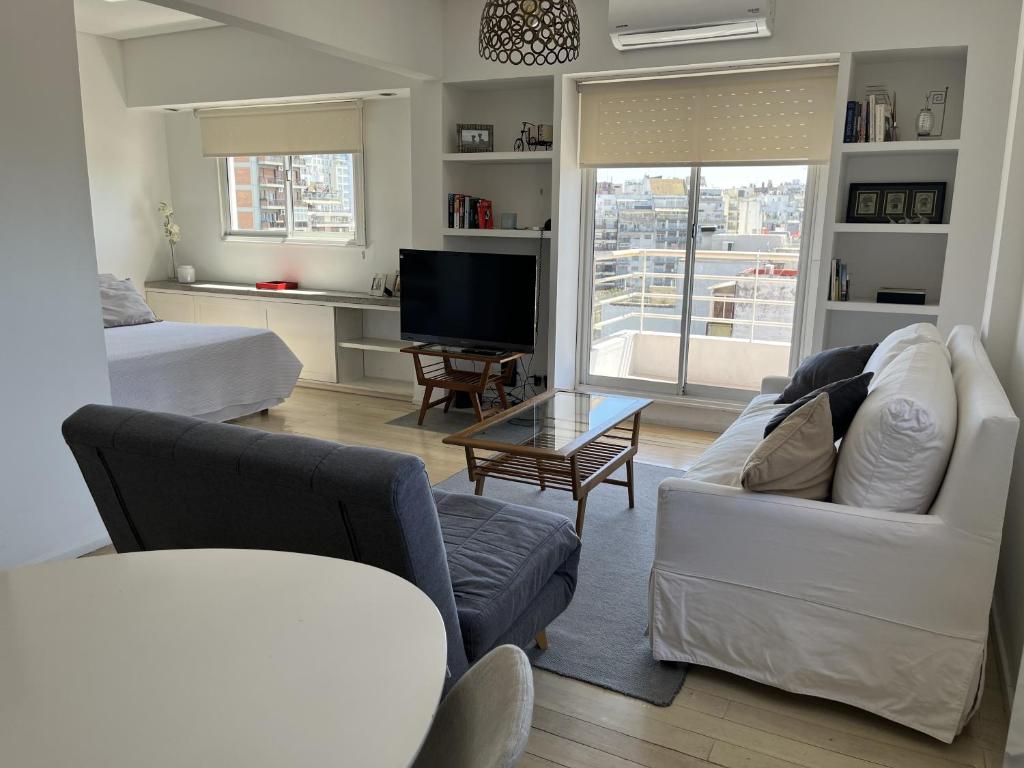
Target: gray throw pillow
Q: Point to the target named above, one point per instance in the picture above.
(844, 398)
(826, 367)
(123, 304)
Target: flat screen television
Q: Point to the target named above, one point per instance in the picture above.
(475, 300)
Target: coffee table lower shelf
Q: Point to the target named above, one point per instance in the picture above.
(580, 473)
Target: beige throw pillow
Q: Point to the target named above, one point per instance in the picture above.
(798, 458)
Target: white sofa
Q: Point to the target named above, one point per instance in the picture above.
(886, 611)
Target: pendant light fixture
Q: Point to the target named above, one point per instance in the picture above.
(532, 32)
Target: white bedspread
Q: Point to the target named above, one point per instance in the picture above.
(211, 372)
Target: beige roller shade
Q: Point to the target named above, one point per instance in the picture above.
(287, 129)
(751, 117)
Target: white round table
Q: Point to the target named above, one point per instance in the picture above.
(215, 658)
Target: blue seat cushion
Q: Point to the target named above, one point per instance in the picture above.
(502, 557)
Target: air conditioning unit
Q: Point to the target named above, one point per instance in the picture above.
(654, 23)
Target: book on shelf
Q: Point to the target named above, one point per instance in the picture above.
(868, 121)
(839, 285)
(468, 212)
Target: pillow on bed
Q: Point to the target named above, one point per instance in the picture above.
(122, 303)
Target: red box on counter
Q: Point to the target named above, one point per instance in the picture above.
(278, 285)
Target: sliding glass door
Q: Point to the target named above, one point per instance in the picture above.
(693, 276)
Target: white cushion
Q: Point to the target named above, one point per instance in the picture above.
(896, 451)
(897, 341)
(722, 463)
(122, 304)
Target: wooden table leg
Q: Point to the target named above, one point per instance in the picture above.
(448, 400)
(501, 394)
(427, 392)
(542, 639)
(480, 485)
(475, 397)
(581, 511)
(629, 483)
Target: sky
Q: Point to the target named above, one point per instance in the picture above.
(731, 176)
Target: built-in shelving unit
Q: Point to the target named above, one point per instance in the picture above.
(890, 255)
(891, 229)
(508, 234)
(883, 309)
(374, 345)
(499, 158)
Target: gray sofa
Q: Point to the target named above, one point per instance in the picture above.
(498, 573)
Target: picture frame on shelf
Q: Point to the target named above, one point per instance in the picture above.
(474, 137)
(896, 203)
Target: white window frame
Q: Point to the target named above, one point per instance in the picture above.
(225, 187)
(804, 305)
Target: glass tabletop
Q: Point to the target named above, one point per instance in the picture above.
(556, 423)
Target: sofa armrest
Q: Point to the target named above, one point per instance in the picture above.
(773, 385)
(911, 569)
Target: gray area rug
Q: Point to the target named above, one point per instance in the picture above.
(600, 639)
(438, 421)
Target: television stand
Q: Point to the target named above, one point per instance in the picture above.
(440, 371)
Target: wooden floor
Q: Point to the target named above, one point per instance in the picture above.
(717, 719)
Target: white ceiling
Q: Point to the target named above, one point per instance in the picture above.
(124, 19)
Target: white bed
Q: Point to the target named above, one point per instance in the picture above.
(212, 372)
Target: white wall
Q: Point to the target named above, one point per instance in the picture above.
(809, 27)
(52, 338)
(1004, 330)
(401, 36)
(387, 169)
(230, 64)
(127, 159)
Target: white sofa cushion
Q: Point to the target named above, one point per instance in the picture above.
(896, 451)
(722, 463)
(893, 345)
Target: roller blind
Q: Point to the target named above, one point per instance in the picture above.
(291, 129)
(750, 117)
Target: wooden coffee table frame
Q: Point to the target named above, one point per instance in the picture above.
(579, 467)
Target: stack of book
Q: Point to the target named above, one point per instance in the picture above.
(869, 120)
(467, 212)
(839, 285)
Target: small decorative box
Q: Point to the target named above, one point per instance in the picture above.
(278, 285)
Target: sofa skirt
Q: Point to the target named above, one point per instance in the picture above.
(921, 679)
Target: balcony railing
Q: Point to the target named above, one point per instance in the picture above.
(753, 269)
(741, 316)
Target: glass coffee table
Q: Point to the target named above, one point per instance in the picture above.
(573, 441)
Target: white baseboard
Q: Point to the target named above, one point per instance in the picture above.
(1008, 679)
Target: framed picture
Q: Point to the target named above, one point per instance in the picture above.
(377, 284)
(895, 203)
(913, 202)
(474, 138)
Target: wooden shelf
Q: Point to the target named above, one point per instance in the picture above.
(374, 345)
(377, 384)
(528, 234)
(893, 229)
(931, 310)
(890, 148)
(498, 158)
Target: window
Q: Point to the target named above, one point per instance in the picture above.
(693, 276)
(295, 197)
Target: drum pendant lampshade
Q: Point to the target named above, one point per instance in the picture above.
(532, 32)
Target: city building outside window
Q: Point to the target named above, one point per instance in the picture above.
(295, 197)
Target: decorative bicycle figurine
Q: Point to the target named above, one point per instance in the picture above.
(527, 140)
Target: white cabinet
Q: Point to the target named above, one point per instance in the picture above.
(225, 310)
(175, 307)
(308, 330)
